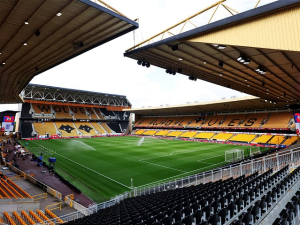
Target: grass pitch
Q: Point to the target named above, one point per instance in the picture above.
(103, 167)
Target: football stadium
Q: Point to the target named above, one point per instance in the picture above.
(76, 156)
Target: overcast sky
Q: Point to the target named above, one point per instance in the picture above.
(106, 70)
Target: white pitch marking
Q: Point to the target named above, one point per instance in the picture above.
(163, 166)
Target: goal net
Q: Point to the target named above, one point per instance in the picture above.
(254, 151)
(234, 155)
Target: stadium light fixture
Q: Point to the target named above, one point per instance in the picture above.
(219, 46)
(243, 59)
(26, 23)
(25, 43)
(37, 33)
(175, 47)
(192, 78)
(59, 14)
(260, 70)
(2, 64)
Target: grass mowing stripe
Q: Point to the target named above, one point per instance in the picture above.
(84, 166)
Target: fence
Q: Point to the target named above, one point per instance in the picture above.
(275, 161)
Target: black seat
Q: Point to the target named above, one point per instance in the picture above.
(223, 213)
(198, 216)
(150, 221)
(246, 218)
(188, 220)
(187, 211)
(167, 220)
(177, 216)
(213, 220)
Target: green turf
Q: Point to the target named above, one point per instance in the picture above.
(89, 163)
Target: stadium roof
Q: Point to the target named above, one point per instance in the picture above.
(267, 36)
(249, 103)
(38, 35)
(38, 92)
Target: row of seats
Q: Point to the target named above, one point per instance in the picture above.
(290, 214)
(68, 129)
(10, 190)
(245, 138)
(78, 112)
(210, 203)
(24, 218)
(282, 120)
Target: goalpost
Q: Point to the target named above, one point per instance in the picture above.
(254, 150)
(234, 155)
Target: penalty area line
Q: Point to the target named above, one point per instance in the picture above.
(85, 167)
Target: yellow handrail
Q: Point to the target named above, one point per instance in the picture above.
(40, 196)
(58, 207)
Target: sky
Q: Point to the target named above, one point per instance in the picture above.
(105, 69)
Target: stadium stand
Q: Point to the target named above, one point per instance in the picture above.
(99, 114)
(45, 128)
(222, 136)
(62, 112)
(233, 120)
(67, 129)
(79, 113)
(290, 140)
(115, 127)
(174, 134)
(214, 121)
(85, 128)
(159, 122)
(254, 120)
(290, 213)
(91, 113)
(140, 122)
(188, 134)
(243, 138)
(196, 121)
(183, 121)
(277, 139)
(162, 133)
(244, 199)
(149, 132)
(262, 139)
(41, 108)
(106, 128)
(173, 121)
(123, 126)
(204, 135)
(107, 113)
(98, 127)
(27, 217)
(122, 116)
(138, 132)
(278, 120)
